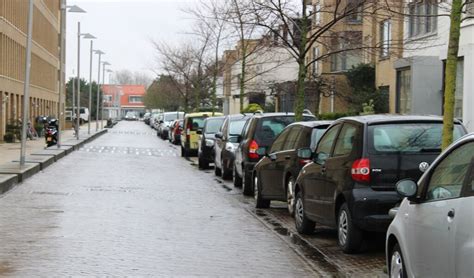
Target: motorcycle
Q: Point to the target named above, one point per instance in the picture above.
(51, 132)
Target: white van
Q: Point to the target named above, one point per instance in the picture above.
(84, 113)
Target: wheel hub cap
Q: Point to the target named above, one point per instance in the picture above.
(299, 213)
(342, 228)
(396, 265)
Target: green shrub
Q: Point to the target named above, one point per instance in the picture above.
(252, 108)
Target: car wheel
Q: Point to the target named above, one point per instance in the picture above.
(247, 183)
(217, 171)
(397, 265)
(184, 153)
(203, 164)
(349, 236)
(260, 202)
(290, 198)
(302, 223)
(237, 179)
(226, 174)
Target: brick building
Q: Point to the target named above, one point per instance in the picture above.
(131, 100)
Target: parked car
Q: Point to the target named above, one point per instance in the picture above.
(146, 118)
(157, 120)
(131, 116)
(275, 174)
(226, 143)
(154, 119)
(212, 125)
(189, 137)
(165, 122)
(432, 234)
(259, 132)
(351, 183)
(176, 129)
(84, 114)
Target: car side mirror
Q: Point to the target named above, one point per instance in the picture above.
(320, 158)
(199, 131)
(161, 122)
(305, 153)
(218, 135)
(407, 188)
(262, 151)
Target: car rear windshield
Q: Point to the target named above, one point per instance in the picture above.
(213, 125)
(270, 127)
(172, 117)
(408, 137)
(236, 127)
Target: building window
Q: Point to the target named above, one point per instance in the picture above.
(355, 10)
(422, 18)
(107, 98)
(316, 14)
(315, 65)
(470, 8)
(135, 99)
(351, 55)
(404, 94)
(385, 38)
(345, 60)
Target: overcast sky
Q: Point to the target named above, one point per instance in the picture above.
(124, 29)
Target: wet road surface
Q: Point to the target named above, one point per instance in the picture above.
(127, 204)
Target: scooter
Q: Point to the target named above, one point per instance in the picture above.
(51, 132)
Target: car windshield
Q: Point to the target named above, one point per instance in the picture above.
(196, 123)
(236, 127)
(269, 128)
(409, 137)
(213, 125)
(316, 135)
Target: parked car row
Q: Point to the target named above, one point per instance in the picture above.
(352, 174)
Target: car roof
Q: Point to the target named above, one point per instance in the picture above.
(312, 124)
(175, 112)
(203, 114)
(387, 118)
(215, 118)
(276, 114)
(240, 116)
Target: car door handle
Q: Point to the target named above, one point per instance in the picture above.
(451, 213)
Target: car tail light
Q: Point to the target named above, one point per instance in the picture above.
(253, 147)
(303, 162)
(361, 170)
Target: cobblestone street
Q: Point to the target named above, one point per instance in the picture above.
(127, 204)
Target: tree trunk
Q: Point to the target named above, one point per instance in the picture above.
(242, 75)
(450, 73)
(300, 87)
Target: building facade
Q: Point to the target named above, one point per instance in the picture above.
(420, 73)
(44, 90)
(121, 99)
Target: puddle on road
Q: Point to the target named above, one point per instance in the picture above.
(308, 251)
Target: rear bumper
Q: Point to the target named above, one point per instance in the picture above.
(370, 208)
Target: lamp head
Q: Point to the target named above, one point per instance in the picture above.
(88, 36)
(75, 9)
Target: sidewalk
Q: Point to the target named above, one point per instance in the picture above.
(11, 151)
(38, 156)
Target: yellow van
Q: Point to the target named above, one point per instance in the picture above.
(189, 136)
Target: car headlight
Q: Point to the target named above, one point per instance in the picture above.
(209, 143)
(230, 147)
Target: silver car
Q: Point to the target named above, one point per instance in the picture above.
(432, 234)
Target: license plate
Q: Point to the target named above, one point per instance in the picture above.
(49, 139)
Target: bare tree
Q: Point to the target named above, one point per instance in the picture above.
(127, 77)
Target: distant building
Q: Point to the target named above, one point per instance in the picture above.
(120, 99)
(44, 90)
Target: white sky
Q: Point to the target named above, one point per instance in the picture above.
(124, 29)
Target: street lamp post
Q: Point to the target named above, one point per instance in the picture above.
(62, 81)
(78, 101)
(90, 89)
(104, 64)
(100, 53)
(26, 94)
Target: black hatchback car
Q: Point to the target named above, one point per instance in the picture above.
(275, 174)
(351, 183)
(259, 132)
(211, 126)
(226, 144)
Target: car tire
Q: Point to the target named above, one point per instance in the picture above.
(260, 202)
(203, 164)
(217, 171)
(290, 196)
(302, 223)
(226, 173)
(397, 263)
(349, 235)
(247, 185)
(237, 179)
